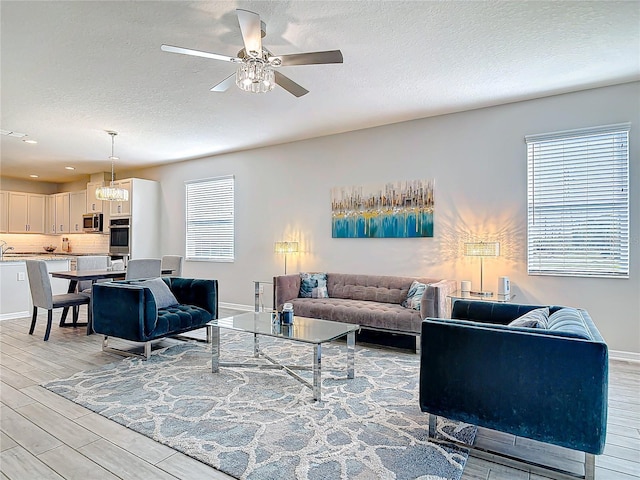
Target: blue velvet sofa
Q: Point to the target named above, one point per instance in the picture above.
(547, 384)
(129, 310)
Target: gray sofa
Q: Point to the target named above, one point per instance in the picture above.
(371, 301)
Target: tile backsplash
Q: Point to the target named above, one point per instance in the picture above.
(79, 243)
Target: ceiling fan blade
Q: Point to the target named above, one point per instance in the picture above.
(310, 58)
(289, 85)
(224, 85)
(198, 53)
(251, 32)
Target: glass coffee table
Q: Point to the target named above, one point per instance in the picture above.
(304, 330)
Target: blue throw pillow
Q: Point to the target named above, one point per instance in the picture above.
(161, 292)
(414, 295)
(313, 285)
(536, 318)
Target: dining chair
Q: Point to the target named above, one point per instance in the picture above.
(90, 262)
(42, 296)
(143, 268)
(174, 263)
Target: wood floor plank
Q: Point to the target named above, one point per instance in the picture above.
(27, 434)
(19, 464)
(122, 463)
(131, 441)
(6, 442)
(59, 426)
(55, 402)
(71, 464)
(186, 468)
(13, 398)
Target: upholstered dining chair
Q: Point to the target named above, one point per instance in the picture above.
(42, 296)
(174, 263)
(143, 268)
(90, 262)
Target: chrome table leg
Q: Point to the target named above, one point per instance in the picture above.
(214, 334)
(317, 372)
(351, 347)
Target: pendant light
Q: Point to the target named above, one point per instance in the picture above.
(111, 193)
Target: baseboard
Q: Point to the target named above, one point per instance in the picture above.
(236, 306)
(11, 316)
(625, 356)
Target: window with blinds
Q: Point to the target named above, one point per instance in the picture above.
(210, 219)
(578, 202)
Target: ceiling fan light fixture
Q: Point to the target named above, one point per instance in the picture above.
(112, 193)
(255, 75)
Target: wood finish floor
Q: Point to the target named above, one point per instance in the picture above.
(44, 436)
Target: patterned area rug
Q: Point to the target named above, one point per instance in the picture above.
(263, 424)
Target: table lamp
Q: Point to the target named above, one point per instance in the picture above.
(482, 249)
(286, 248)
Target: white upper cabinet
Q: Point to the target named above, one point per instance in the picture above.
(62, 212)
(77, 208)
(121, 208)
(4, 212)
(26, 212)
(93, 204)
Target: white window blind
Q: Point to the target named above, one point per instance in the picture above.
(210, 219)
(578, 202)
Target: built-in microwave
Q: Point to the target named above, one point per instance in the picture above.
(92, 223)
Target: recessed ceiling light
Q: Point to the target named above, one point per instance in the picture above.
(34, 176)
(69, 168)
(28, 140)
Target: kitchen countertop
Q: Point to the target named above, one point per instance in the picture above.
(22, 256)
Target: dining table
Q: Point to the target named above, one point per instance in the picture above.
(76, 276)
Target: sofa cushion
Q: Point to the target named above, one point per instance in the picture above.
(386, 316)
(414, 296)
(161, 292)
(179, 318)
(570, 321)
(373, 288)
(313, 285)
(536, 318)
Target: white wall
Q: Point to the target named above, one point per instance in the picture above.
(478, 161)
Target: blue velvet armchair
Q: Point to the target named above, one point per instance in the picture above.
(547, 384)
(129, 310)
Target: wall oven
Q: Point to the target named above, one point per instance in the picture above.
(92, 223)
(120, 236)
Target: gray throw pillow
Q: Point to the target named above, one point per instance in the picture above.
(536, 318)
(163, 295)
(414, 295)
(313, 285)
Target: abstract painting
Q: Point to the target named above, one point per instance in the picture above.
(401, 209)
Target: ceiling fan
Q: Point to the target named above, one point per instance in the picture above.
(255, 72)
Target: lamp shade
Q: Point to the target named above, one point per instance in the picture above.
(286, 247)
(482, 249)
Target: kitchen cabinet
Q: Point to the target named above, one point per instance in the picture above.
(93, 204)
(50, 215)
(62, 212)
(4, 212)
(26, 212)
(121, 208)
(77, 208)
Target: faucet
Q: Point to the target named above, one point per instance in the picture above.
(4, 249)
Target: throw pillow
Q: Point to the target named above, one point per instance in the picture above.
(536, 318)
(414, 295)
(161, 292)
(313, 285)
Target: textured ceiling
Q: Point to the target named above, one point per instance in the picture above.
(72, 69)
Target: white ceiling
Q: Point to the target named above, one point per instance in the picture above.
(73, 69)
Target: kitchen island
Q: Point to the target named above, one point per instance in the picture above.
(15, 294)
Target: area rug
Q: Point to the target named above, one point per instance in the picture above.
(263, 424)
